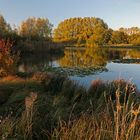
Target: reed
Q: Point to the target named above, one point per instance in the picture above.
(62, 109)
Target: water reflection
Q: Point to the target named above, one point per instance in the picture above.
(37, 62)
(86, 65)
(80, 58)
(91, 57)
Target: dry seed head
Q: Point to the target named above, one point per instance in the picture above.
(118, 93)
(29, 101)
(119, 107)
(33, 96)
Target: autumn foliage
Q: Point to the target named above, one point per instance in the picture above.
(82, 30)
(8, 60)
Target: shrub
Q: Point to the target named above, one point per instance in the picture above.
(8, 59)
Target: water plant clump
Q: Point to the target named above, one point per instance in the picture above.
(76, 71)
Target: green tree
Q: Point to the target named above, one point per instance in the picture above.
(36, 28)
(5, 28)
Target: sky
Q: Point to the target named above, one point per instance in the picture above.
(116, 13)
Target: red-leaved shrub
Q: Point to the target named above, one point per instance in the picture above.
(8, 60)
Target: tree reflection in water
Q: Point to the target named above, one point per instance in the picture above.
(79, 60)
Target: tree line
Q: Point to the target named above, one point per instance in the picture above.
(79, 31)
(94, 30)
(30, 29)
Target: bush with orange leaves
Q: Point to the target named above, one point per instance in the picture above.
(8, 59)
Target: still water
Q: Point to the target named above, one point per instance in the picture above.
(85, 65)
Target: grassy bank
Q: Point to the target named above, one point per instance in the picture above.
(47, 106)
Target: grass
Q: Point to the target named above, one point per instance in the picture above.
(49, 106)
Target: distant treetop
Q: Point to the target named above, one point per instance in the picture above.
(80, 30)
(36, 28)
(130, 31)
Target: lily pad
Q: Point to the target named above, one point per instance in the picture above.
(76, 71)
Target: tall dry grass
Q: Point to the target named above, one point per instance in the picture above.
(119, 121)
(65, 110)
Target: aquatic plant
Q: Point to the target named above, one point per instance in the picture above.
(76, 71)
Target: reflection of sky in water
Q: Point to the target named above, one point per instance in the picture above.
(116, 71)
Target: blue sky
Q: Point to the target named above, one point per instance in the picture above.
(116, 13)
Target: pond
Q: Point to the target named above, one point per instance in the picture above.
(85, 65)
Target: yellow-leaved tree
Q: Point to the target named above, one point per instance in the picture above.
(82, 30)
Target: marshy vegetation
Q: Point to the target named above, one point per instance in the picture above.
(45, 103)
(48, 105)
(53, 107)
